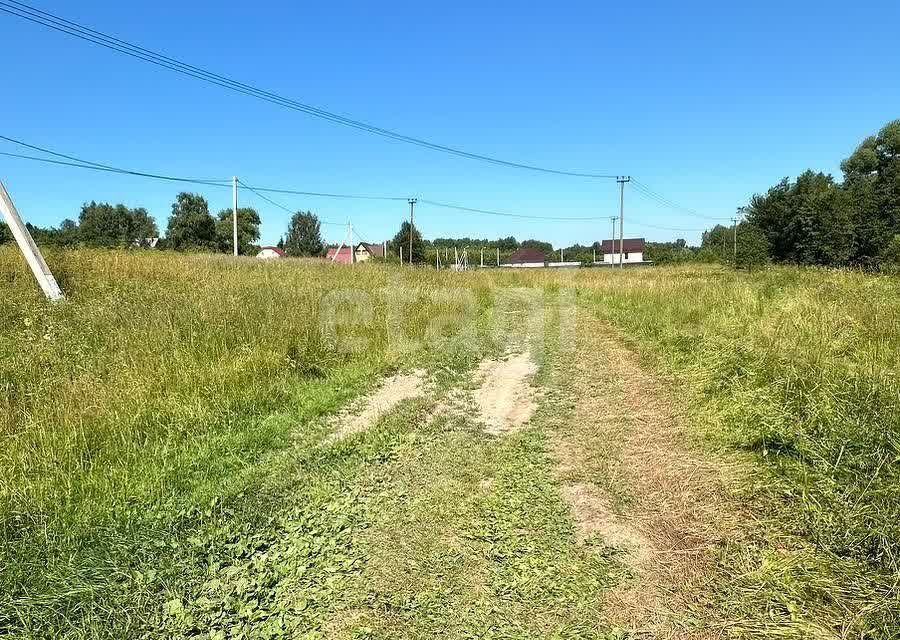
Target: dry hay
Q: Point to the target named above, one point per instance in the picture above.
(626, 431)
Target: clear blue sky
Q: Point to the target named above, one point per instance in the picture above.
(706, 102)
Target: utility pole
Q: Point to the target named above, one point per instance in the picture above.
(734, 234)
(401, 255)
(350, 242)
(234, 182)
(612, 242)
(498, 256)
(622, 180)
(482, 257)
(28, 247)
(412, 206)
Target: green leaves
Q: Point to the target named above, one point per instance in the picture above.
(303, 235)
(190, 225)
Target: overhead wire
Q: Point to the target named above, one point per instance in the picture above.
(63, 25)
(646, 192)
(74, 161)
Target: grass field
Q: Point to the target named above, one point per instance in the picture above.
(169, 466)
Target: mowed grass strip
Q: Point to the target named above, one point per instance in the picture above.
(796, 369)
(471, 539)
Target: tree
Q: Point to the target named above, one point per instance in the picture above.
(717, 242)
(5, 233)
(752, 247)
(143, 225)
(248, 231)
(890, 256)
(304, 236)
(544, 247)
(402, 240)
(190, 225)
(106, 225)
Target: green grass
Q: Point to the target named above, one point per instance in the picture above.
(161, 386)
(164, 469)
(798, 369)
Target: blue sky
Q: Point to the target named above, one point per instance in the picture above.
(706, 102)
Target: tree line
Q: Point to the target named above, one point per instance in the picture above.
(190, 227)
(818, 220)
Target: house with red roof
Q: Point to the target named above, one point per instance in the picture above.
(343, 255)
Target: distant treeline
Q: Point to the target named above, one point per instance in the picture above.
(191, 227)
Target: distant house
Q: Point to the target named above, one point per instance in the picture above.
(366, 250)
(344, 255)
(632, 251)
(145, 243)
(528, 257)
(270, 253)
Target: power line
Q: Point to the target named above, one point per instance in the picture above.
(506, 214)
(96, 167)
(74, 161)
(57, 23)
(326, 195)
(645, 191)
(281, 206)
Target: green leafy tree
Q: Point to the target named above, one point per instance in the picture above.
(190, 225)
(402, 240)
(5, 233)
(752, 248)
(248, 231)
(103, 224)
(544, 247)
(717, 242)
(68, 233)
(106, 225)
(143, 225)
(304, 235)
(676, 252)
(872, 183)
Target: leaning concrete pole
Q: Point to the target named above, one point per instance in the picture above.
(28, 247)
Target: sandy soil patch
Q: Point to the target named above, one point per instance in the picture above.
(506, 400)
(366, 412)
(593, 515)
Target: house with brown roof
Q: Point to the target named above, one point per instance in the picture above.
(631, 251)
(527, 257)
(366, 250)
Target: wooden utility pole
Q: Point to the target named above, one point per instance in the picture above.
(28, 247)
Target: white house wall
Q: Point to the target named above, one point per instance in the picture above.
(613, 258)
